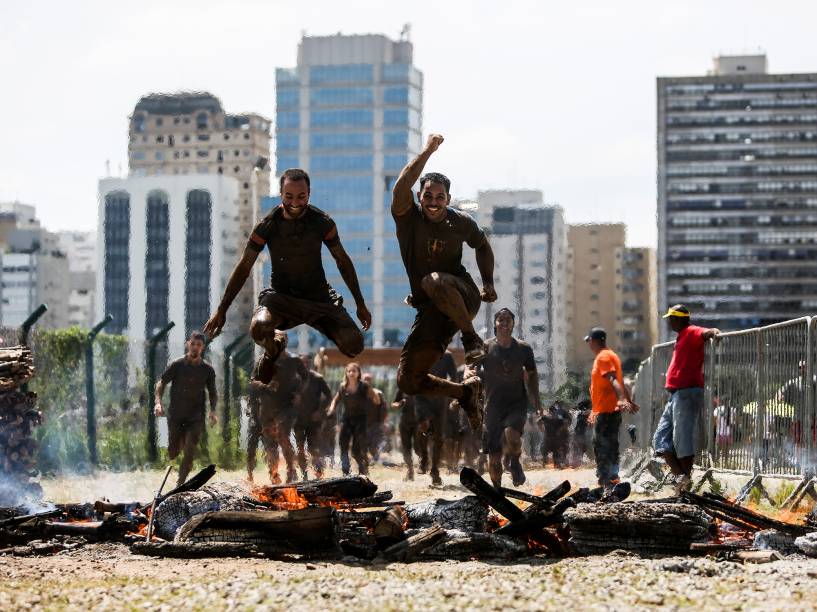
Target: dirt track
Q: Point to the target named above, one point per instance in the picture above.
(109, 577)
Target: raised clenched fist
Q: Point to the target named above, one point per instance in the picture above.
(434, 141)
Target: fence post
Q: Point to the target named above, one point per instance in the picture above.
(153, 451)
(225, 400)
(759, 403)
(26, 327)
(90, 393)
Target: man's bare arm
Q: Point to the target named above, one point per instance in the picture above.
(237, 279)
(711, 333)
(485, 264)
(402, 197)
(622, 394)
(347, 271)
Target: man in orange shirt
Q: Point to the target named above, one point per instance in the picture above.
(609, 397)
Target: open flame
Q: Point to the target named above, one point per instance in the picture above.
(285, 498)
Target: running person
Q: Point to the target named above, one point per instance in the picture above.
(277, 412)
(445, 296)
(432, 413)
(188, 377)
(356, 395)
(299, 293)
(504, 371)
(311, 403)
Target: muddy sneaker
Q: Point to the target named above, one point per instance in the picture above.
(618, 492)
(436, 481)
(409, 475)
(471, 402)
(682, 483)
(474, 349)
(517, 473)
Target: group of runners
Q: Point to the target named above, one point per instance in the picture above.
(492, 391)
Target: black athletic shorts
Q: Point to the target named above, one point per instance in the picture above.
(329, 318)
(432, 328)
(497, 418)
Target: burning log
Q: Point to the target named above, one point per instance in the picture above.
(390, 527)
(489, 495)
(312, 530)
(537, 520)
(177, 509)
(468, 514)
(344, 489)
(641, 527)
(732, 511)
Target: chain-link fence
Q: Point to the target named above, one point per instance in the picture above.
(115, 428)
(760, 399)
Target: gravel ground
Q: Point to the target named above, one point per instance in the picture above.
(109, 577)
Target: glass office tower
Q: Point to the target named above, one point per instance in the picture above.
(737, 194)
(350, 114)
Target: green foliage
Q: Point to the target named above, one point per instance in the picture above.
(576, 387)
(717, 487)
(783, 492)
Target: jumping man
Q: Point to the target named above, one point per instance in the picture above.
(445, 296)
(298, 293)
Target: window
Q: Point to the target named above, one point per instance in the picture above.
(341, 118)
(138, 122)
(159, 122)
(285, 162)
(289, 120)
(186, 138)
(347, 73)
(341, 193)
(396, 72)
(202, 153)
(287, 97)
(354, 224)
(394, 162)
(171, 140)
(246, 136)
(396, 117)
(287, 141)
(342, 163)
(197, 259)
(396, 95)
(203, 137)
(201, 121)
(157, 270)
(137, 155)
(342, 96)
(160, 138)
(226, 137)
(395, 140)
(160, 156)
(330, 140)
(117, 258)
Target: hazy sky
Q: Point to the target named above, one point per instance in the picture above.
(555, 96)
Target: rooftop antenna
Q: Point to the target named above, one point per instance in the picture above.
(107, 167)
(405, 33)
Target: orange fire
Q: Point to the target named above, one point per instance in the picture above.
(286, 498)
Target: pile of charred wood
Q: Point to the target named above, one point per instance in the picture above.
(349, 518)
(18, 418)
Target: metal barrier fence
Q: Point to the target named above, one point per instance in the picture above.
(760, 396)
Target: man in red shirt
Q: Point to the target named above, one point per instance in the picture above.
(674, 438)
(609, 397)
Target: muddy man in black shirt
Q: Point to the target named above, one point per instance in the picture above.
(445, 296)
(294, 233)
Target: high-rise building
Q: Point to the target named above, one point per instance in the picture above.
(737, 194)
(350, 113)
(80, 250)
(33, 269)
(166, 247)
(190, 133)
(591, 300)
(636, 310)
(611, 286)
(529, 240)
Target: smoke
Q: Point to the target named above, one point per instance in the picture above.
(26, 496)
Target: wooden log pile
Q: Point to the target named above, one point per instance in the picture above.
(18, 418)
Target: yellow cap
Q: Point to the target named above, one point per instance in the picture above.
(679, 310)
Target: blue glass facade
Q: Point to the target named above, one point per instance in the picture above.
(117, 260)
(362, 125)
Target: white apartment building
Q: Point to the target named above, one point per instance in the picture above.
(166, 247)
